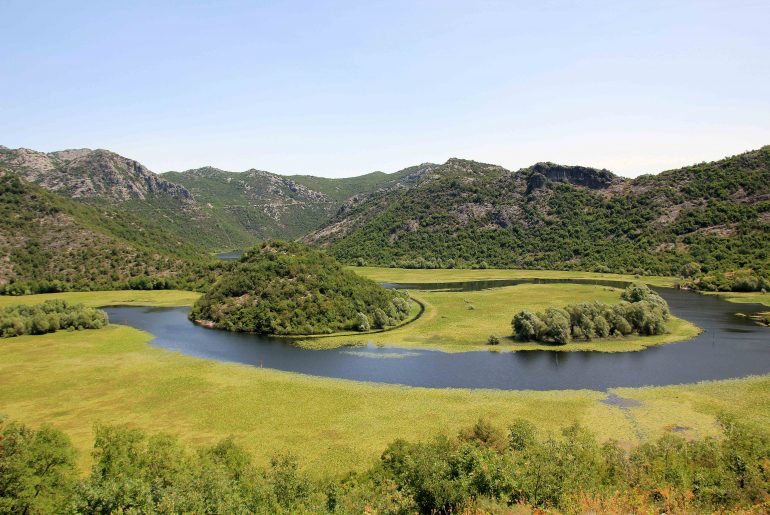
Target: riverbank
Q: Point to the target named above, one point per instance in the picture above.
(99, 299)
(449, 321)
(73, 380)
(403, 275)
(462, 321)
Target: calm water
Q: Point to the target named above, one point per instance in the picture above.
(729, 347)
(230, 256)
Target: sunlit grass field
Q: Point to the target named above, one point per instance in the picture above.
(463, 321)
(75, 379)
(744, 297)
(455, 275)
(111, 298)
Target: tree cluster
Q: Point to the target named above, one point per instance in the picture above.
(290, 289)
(643, 312)
(484, 468)
(737, 281)
(48, 317)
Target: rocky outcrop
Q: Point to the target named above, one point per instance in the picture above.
(91, 174)
(578, 175)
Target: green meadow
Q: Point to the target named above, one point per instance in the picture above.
(743, 297)
(462, 321)
(159, 298)
(456, 275)
(74, 380)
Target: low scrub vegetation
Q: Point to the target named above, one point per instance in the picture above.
(644, 312)
(48, 317)
(483, 468)
(290, 289)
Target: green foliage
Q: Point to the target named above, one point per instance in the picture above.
(132, 472)
(738, 281)
(49, 243)
(469, 214)
(289, 289)
(445, 475)
(484, 467)
(48, 317)
(643, 312)
(37, 469)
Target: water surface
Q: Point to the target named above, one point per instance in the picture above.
(729, 347)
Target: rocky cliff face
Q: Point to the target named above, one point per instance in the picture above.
(577, 175)
(91, 174)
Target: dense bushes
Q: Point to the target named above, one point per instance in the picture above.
(48, 317)
(740, 281)
(483, 469)
(290, 289)
(644, 312)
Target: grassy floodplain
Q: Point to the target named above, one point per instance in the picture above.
(743, 297)
(158, 298)
(75, 379)
(462, 321)
(456, 275)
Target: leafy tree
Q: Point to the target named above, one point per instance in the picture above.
(37, 469)
(527, 326)
(363, 322)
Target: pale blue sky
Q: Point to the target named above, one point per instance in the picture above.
(344, 88)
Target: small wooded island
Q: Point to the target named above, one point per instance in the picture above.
(289, 289)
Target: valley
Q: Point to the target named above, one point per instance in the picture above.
(76, 379)
(388, 314)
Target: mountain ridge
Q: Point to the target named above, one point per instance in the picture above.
(466, 213)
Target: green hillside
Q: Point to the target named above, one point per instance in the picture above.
(255, 205)
(49, 242)
(344, 188)
(464, 213)
(289, 289)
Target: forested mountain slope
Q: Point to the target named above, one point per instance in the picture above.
(261, 204)
(48, 241)
(464, 213)
(104, 179)
(210, 207)
(256, 204)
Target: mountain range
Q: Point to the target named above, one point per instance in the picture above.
(460, 213)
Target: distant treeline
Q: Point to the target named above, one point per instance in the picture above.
(482, 469)
(48, 317)
(192, 276)
(644, 312)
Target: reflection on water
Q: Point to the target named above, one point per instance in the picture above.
(730, 346)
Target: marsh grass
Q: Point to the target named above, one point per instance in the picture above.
(448, 324)
(74, 380)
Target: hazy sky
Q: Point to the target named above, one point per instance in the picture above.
(344, 88)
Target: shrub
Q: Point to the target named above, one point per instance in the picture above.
(363, 322)
(47, 317)
(643, 311)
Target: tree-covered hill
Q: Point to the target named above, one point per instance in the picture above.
(216, 209)
(256, 204)
(464, 213)
(50, 241)
(290, 289)
(265, 205)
